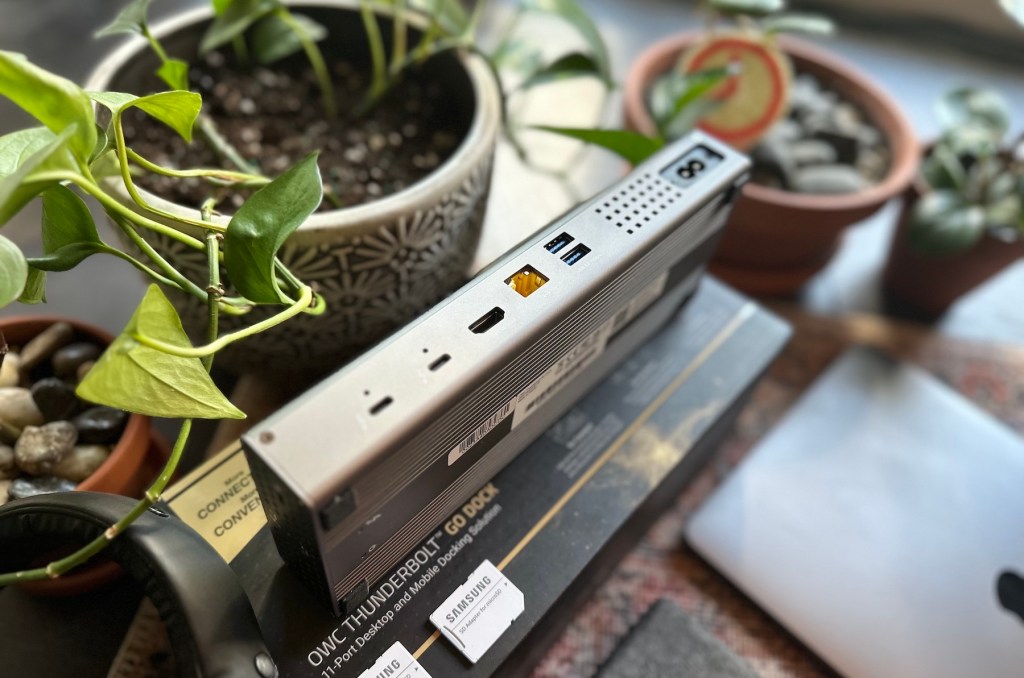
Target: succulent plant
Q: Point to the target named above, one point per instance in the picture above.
(975, 179)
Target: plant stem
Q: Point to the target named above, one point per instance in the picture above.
(400, 35)
(184, 283)
(142, 267)
(59, 567)
(201, 351)
(241, 50)
(129, 184)
(316, 60)
(379, 83)
(214, 291)
(207, 129)
(202, 173)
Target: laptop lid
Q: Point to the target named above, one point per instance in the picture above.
(882, 522)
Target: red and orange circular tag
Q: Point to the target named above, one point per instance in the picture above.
(754, 97)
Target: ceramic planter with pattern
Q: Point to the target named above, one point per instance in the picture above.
(378, 264)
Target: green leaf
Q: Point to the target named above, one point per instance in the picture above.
(13, 271)
(178, 109)
(17, 189)
(273, 39)
(449, 14)
(574, 65)
(55, 102)
(811, 24)
(632, 146)
(220, 6)
(677, 100)
(748, 7)
(941, 168)
(174, 72)
(136, 378)
(261, 225)
(1003, 213)
(69, 233)
(944, 223)
(17, 147)
(35, 287)
(132, 19)
(517, 55)
(968, 106)
(236, 18)
(572, 13)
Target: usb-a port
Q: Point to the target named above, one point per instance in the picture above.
(559, 242)
(575, 254)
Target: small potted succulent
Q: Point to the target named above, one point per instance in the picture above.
(963, 217)
(829, 147)
(152, 368)
(404, 109)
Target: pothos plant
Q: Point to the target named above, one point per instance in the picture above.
(151, 368)
(975, 179)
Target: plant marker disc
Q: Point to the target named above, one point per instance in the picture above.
(754, 97)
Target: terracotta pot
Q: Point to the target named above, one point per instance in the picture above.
(124, 472)
(923, 287)
(379, 264)
(777, 240)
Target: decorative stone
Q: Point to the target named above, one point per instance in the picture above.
(8, 467)
(846, 145)
(45, 344)
(55, 398)
(773, 158)
(41, 448)
(67, 360)
(83, 370)
(100, 425)
(10, 369)
(82, 461)
(17, 407)
(5, 491)
(828, 180)
(23, 488)
(812, 152)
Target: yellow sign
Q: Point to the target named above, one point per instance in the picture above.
(219, 501)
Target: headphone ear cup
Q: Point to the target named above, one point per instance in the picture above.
(210, 622)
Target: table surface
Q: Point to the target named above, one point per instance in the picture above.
(106, 291)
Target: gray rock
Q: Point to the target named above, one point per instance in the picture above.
(8, 467)
(812, 152)
(5, 491)
(83, 370)
(41, 448)
(773, 158)
(785, 130)
(9, 370)
(45, 344)
(18, 408)
(869, 136)
(807, 98)
(100, 425)
(846, 145)
(828, 180)
(846, 118)
(81, 462)
(67, 359)
(23, 488)
(873, 164)
(55, 398)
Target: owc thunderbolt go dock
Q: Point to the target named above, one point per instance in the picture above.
(364, 466)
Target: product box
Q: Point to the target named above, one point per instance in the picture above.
(491, 587)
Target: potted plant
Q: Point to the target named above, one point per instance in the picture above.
(405, 109)
(152, 368)
(828, 146)
(962, 220)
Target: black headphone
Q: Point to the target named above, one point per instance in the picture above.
(210, 622)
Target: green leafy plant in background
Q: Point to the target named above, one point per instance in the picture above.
(678, 100)
(151, 368)
(976, 180)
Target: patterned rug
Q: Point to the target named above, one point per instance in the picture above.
(663, 566)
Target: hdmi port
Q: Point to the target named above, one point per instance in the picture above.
(487, 321)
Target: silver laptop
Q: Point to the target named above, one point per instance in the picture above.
(882, 522)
